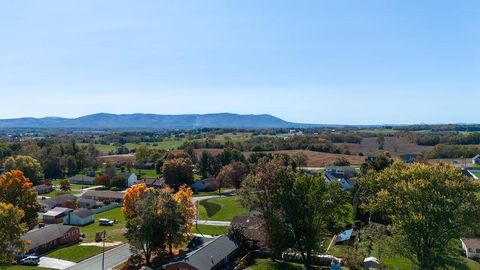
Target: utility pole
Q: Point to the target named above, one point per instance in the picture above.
(104, 235)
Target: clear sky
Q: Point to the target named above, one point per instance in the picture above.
(343, 62)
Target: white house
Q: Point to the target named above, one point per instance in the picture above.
(471, 247)
(132, 178)
(476, 160)
(79, 217)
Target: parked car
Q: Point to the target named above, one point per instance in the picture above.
(30, 260)
(105, 222)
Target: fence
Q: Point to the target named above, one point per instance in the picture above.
(107, 207)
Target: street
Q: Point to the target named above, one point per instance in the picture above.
(113, 257)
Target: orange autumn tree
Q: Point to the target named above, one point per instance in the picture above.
(184, 198)
(17, 190)
(131, 197)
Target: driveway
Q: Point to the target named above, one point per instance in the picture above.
(113, 257)
(55, 263)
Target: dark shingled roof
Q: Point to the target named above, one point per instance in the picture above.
(40, 236)
(210, 254)
(83, 212)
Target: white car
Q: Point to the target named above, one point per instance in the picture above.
(105, 222)
(30, 260)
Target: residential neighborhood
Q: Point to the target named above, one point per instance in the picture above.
(240, 135)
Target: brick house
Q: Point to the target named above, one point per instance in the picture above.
(45, 238)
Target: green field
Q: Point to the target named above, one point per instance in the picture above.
(165, 144)
(75, 253)
(57, 192)
(222, 209)
(210, 230)
(268, 264)
(114, 233)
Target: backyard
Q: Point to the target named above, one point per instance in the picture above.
(221, 209)
(114, 233)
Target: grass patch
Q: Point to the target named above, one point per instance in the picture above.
(75, 253)
(221, 209)
(57, 192)
(23, 267)
(114, 233)
(210, 230)
(268, 264)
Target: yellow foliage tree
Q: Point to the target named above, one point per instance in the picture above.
(131, 197)
(184, 198)
(16, 189)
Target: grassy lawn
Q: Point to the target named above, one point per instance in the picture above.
(145, 173)
(75, 253)
(23, 267)
(166, 144)
(103, 148)
(268, 264)
(222, 209)
(57, 192)
(114, 233)
(210, 230)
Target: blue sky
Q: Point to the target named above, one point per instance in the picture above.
(344, 62)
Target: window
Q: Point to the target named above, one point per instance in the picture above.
(470, 250)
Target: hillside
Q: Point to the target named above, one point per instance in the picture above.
(138, 120)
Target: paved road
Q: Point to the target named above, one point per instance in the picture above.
(213, 222)
(113, 257)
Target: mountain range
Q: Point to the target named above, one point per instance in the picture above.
(154, 121)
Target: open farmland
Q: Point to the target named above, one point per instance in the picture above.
(396, 146)
(314, 159)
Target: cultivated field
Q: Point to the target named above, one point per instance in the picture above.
(395, 146)
(314, 159)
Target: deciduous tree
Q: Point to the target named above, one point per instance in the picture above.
(178, 171)
(16, 189)
(131, 197)
(12, 228)
(232, 175)
(29, 166)
(65, 185)
(428, 206)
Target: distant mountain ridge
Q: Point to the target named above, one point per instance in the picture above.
(155, 121)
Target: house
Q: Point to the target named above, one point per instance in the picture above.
(64, 200)
(212, 255)
(207, 184)
(471, 247)
(146, 166)
(79, 217)
(476, 160)
(47, 204)
(344, 236)
(408, 158)
(88, 203)
(82, 180)
(252, 228)
(341, 171)
(153, 182)
(103, 196)
(55, 215)
(42, 189)
(51, 236)
(345, 183)
(132, 178)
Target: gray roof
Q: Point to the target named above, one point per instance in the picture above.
(40, 236)
(107, 194)
(476, 157)
(210, 254)
(83, 212)
(63, 198)
(57, 211)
